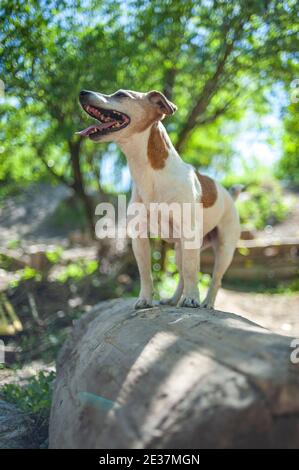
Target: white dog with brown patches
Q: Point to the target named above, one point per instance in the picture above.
(133, 120)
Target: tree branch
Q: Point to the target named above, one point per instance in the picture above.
(210, 86)
(204, 98)
(218, 112)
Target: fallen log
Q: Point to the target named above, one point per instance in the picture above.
(173, 378)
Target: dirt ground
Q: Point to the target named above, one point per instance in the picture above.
(278, 312)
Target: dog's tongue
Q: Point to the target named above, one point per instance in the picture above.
(89, 130)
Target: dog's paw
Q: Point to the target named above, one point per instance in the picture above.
(142, 302)
(188, 301)
(207, 304)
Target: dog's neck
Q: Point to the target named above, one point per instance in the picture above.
(149, 152)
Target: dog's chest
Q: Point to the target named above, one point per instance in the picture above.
(168, 185)
(157, 190)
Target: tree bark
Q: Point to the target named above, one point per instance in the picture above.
(169, 377)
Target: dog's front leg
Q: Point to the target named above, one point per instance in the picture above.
(179, 290)
(142, 252)
(190, 268)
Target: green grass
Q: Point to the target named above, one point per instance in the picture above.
(25, 274)
(33, 398)
(78, 270)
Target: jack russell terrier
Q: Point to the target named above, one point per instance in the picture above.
(133, 121)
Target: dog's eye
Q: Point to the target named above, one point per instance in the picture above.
(120, 94)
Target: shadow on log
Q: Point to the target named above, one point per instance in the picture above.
(173, 378)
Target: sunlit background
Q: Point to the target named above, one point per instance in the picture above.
(231, 68)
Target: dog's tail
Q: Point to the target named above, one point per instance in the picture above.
(236, 190)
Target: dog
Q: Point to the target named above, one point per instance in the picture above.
(133, 121)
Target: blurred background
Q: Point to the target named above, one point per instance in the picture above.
(232, 69)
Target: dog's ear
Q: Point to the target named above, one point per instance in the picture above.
(161, 102)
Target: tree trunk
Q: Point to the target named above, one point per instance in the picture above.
(171, 377)
(169, 80)
(78, 185)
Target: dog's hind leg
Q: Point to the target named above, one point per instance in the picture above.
(224, 244)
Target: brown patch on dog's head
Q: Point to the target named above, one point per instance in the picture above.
(209, 190)
(155, 106)
(151, 115)
(157, 148)
(163, 105)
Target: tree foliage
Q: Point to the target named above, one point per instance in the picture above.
(212, 58)
(288, 167)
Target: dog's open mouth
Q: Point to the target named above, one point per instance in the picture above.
(110, 121)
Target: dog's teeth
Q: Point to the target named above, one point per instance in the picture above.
(114, 118)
